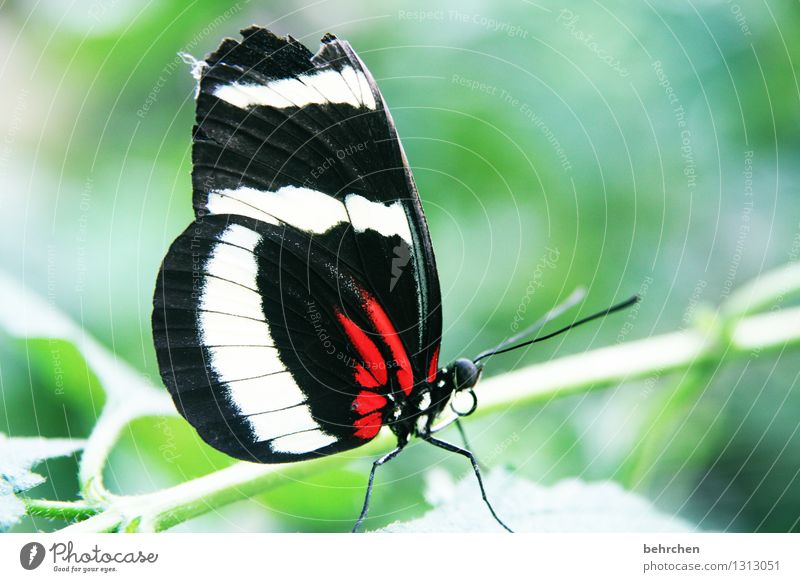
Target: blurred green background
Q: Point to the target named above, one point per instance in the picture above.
(626, 147)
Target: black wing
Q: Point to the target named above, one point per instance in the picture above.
(299, 168)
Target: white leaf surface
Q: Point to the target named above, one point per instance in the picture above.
(17, 457)
(568, 506)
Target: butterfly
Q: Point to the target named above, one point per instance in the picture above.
(300, 312)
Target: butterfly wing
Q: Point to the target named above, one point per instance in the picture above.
(303, 303)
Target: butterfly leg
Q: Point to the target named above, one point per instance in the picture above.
(464, 439)
(387, 457)
(463, 452)
(463, 433)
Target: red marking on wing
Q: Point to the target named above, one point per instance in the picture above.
(382, 324)
(368, 426)
(364, 378)
(367, 402)
(374, 374)
(434, 366)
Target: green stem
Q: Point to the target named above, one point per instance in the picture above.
(770, 290)
(655, 356)
(66, 510)
(168, 507)
(115, 417)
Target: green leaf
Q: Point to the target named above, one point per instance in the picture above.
(24, 314)
(130, 395)
(568, 506)
(17, 457)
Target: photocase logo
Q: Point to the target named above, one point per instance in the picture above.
(402, 254)
(31, 555)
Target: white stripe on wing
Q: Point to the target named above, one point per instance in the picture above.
(312, 211)
(238, 343)
(327, 86)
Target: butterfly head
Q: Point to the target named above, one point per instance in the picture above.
(465, 374)
(461, 377)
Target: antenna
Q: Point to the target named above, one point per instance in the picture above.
(551, 315)
(574, 298)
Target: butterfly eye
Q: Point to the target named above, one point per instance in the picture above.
(465, 374)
